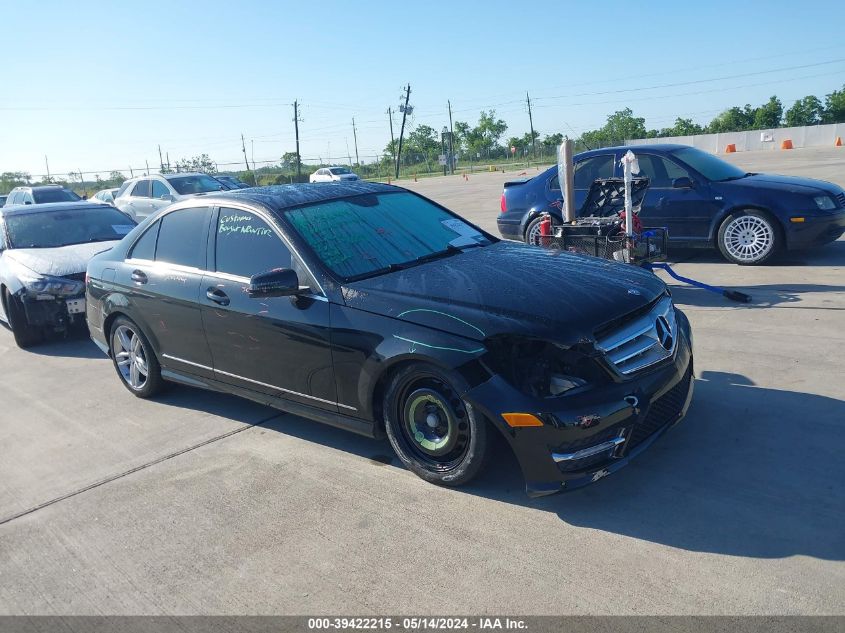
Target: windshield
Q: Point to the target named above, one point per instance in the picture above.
(708, 165)
(62, 228)
(186, 185)
(337, 171)
(371, 234)
(54, 195)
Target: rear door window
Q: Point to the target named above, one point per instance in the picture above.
(145, 247)
(588, 170)
(183, 236)
(141, 189)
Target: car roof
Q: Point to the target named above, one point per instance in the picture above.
(280, 197)
(34, 187)
(27, 209)
(664, 148)
(182, 174)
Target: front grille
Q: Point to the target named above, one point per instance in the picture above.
(840, 199)
(663, 411)
(643, 341)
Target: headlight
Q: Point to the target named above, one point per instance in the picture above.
(538, 368)
(825, 203)
(46, 285)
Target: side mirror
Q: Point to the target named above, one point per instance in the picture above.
(167, 197)
(684, 182)
(278, 282)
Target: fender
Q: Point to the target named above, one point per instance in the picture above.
(723, 213)
(555, 212)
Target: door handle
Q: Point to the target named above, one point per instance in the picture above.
(139, 277)
(217, 296)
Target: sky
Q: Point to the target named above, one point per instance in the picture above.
(98, 86)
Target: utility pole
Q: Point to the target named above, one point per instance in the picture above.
(82, 183)
(451, 146)
(531, 123)
(131, 173)
(252, 150)
(160, 159)
(404, 110)
(148, 167)
(167, 154)
(296, 127)
(392, 139)
(355, 136)
(246, 161)
(47, 163)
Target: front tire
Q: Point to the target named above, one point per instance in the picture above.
(25, 334)
(749, 238)
(134, 359)
(434, 432)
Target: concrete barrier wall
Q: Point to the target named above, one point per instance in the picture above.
(809, 136)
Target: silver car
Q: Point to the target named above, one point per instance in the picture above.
(143, 196)
(105, 196)
(333, 174)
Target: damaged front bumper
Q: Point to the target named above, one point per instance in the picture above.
(52, 312)
(587, 436)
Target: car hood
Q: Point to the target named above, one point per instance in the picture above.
(510, 288)
(61, 261)
(792, 184)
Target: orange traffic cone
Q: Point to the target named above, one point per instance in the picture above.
(838, 142)
(730, 148)
(787, 144)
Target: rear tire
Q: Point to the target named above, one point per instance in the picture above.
(532, 231)
(749, 238)
(134, 359)
(437, 435)
(25, 334)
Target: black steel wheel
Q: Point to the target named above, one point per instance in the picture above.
(25, 334)
(434, 432)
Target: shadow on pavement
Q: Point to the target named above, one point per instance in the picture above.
(763, 296)
(74, 344)
(832, 254)
(750, 472)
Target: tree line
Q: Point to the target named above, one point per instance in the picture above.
(485, 141)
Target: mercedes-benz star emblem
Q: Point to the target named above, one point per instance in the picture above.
(664, 332)
(634, 291)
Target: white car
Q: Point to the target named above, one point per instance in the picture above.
(143, 196)
(332, 174)
(105, 196)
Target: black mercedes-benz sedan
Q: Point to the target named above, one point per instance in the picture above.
(374, 309)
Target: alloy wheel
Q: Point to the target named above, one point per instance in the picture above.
(130, 356)
(748, 238)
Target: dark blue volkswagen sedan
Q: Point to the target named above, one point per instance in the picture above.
(704, 201)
